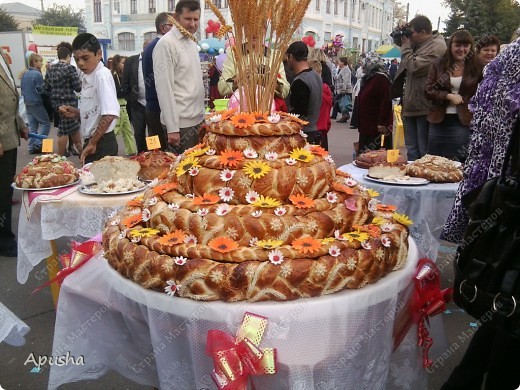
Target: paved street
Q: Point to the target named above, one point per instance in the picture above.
(38, 312)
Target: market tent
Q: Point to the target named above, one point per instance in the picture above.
(383, 49)
(395, 52)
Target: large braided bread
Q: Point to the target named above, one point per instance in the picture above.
(436, 169)
(48, 170)
(238, 219)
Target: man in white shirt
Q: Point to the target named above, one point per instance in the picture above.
(178, 78)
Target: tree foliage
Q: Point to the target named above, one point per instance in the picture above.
(399, 13)
(61, 15)
(482, 17)
(7, 21)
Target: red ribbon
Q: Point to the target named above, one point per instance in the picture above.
(80, 254)
(427, 300)
(235, 358)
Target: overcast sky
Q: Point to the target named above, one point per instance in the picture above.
(433, 9)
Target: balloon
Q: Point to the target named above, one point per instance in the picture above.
(220, 51)
(212, 27)
(219, 61)
(204, 46)
(199, 48)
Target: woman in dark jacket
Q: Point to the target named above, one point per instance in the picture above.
(451, 82)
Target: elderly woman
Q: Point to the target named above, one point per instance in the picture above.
(488, 48)
(451, 82)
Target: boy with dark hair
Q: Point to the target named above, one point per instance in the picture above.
(98, 106)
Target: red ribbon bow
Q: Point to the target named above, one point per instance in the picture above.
(427, 300)
(235, 358)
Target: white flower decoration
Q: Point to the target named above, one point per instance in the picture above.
(115, 222)
(194, 171)
(211, 152)
(227, 175)
(203, 212)
(387, 227)
(372, 204)
(303, 134)
(338, 236)
(153, 183)
(280, 211)
(253, 241)
(122, 234)
(135, 211)
(271, 156)
(174, 206)
(332, 197)
(275, 257)
(366, 245)
(350, 182)
(152, 201)
(112, 214)
(226, 194)
(334, 251)
(385, 240)
(290, 161)
(171, 288)
(146, 214)
(215, 118)
(329, 159)
(223, 209)
(256, 213)
(250, 153)
(136, 238)
(252, 196)
(190, 196)
(180, 260)
(273, 118)
(190, 239)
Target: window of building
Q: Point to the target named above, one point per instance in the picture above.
(327, 6)
(171, 5)
(117, 6)
(336, 6)
(318, 5)
(149, 35)
(345, 9)
(126, 41)
(327, 36)
(97, 11)
(133, 6)
(151, 6)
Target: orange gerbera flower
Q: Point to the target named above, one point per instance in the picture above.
(243, 120)
(342, 188)
(260, 117)
(223, 244)
(173, 238)
(306, 245)
(372, 229)
(386, 207)
(301, 201)
(231, 157)
(164, 188)
(206, 199)
(226, 114)
(318, 150)
(132, 220)
(136, 202)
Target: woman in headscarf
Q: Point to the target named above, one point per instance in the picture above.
(375, 117)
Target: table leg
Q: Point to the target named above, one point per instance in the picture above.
(52, 270)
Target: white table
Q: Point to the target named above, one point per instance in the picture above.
(427, 205)
(12, 328)
(343, 340)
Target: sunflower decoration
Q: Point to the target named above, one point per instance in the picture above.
(372, 229)
(318, 151)
(132, 220)
(302, 155)
(402, 219)
(136, 202)
(163, 188)
(196, 151)
(260, 116)
(342, 188)
(357, 235)
(267, 202)
(301, 201)
(223, 244)
(186, 164)
(206, 199)
(372, 193)
(386, 208)
(379, 221)
(231, 157)
(306, 245)
(243, 120)
(256, 169)
(269, 244)
(173, 238)
(144, 232)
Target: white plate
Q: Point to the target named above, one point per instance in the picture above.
(85, 189)
(356, 165)
(412, 181)
(44, 189)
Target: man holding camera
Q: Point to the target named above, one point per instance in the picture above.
(419, 48)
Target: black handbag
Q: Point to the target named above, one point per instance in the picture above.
(487, 263)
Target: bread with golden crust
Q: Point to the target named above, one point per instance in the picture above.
(377, 157)
(436, 169)
(154, 163)
(46, 171)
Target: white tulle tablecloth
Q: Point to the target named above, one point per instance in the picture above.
(339, 341)
(12, 328)
(427, 205)
(74, 215)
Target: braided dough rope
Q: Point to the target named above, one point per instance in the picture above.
(436, 169)
(284, 127)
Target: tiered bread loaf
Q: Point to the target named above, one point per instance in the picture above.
(377, 157)
(258, 215)
(154, 164)
(436, 169)
(48, 170)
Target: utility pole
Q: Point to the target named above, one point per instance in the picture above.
(407, 11)
(438, 23)
(41, 1)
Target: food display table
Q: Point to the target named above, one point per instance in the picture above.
(339, 341)
(428, 206)
(12, 328)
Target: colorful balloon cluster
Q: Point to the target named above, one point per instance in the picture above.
(309, 40)
(212, 27)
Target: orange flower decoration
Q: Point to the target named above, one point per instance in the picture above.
(342, 174)
(198, 146)
(226, 114)
(206, 199)
(231, 157)
(318, 150)
(243, 120)
(342, 188)
(293, 118)
(371, 229)
(136, 202)
(386, 207)
(260, 117)
(161, 189)
(132, 220)
(223, 244)
(174, 238)
(301, 201)
(306, 245)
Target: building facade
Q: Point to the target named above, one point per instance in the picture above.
(363, 24)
